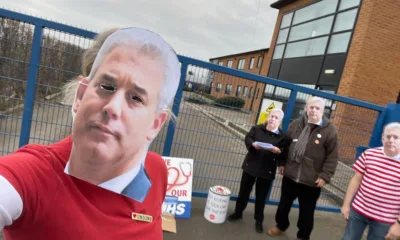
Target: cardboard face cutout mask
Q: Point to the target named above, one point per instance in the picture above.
(135, 183)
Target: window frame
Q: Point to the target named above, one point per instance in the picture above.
(329, 35)
(239, 66)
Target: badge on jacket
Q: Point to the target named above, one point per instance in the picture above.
(142, 217)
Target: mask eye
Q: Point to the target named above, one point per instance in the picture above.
(137, 99)
(108, 88)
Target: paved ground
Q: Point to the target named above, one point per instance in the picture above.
(50, 122)
(328, 226)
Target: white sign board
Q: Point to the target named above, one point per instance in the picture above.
(178, 200)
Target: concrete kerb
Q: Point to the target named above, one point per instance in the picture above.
(223, 122)
(334, 192)
(11, 110)
(18, 108)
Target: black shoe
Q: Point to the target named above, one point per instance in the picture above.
(259, 227)
(234, 216)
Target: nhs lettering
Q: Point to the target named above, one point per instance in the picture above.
(178, 200)
(173, 206)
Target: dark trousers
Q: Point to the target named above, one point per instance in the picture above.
(246, 185)
(307, 196)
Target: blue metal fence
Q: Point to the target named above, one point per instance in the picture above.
(209, 133)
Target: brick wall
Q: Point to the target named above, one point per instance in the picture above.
(372, 70)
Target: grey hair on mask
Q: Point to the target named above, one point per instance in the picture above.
(279, 111)
(390, 126)
(316, 99)
(150, 44)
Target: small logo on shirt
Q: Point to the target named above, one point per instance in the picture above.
(142, 217)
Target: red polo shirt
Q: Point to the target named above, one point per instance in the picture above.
(59, 206)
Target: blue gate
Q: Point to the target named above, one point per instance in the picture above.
(38, 56)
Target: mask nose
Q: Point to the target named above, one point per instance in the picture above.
(113, 108)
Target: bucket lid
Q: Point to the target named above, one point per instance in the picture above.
(221, 190)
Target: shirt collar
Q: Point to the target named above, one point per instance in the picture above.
(274, 131)
(134, 184)
(318, 123)
(397, 157)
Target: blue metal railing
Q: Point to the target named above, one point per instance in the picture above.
(217, 149)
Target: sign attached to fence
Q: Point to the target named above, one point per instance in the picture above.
(266, 107)
(178, 200)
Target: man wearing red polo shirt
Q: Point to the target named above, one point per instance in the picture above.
(101, 182)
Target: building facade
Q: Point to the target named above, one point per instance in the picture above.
(348, 47)
(345, 47)
(224, 85)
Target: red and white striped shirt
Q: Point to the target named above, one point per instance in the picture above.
(378, 197)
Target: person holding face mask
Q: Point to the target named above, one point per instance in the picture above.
(101, 182)
(312, 161)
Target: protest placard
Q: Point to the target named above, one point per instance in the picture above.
(178, 200)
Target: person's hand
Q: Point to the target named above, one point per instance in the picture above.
(281, 170)
(345, 211)
(256, 146)
(275, 150)
(320, 182)
(394, 232)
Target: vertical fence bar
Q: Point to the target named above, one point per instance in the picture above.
(375, 139)
(289, 110)
(31, 85)
(390, 114)
(175, 110)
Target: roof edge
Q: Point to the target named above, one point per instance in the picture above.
(281, 3)
(237, 54)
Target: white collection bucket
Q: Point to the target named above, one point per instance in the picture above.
(217, 204)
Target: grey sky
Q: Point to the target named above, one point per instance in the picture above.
(195, 28)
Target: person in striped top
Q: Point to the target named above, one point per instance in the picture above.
(373, 194)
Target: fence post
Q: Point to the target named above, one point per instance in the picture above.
(31, 85)
(175, 110)
(375, 139)
(289, 110)
(390, 114)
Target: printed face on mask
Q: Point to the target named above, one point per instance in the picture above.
(274, 119)
(315, 111)
(117, 111)
(391, 141)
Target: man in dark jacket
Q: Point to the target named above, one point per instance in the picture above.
(311, 163)
(259, 165)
